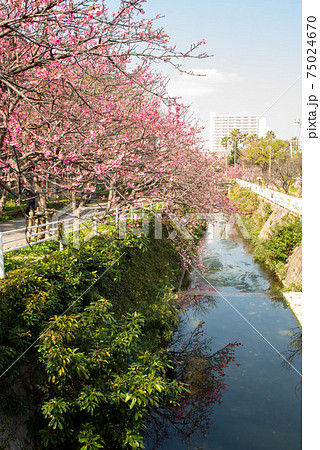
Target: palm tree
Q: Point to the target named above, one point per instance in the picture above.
(270, 136)
(235, 137)
(253, 137)
(245, 140)
(225, 142)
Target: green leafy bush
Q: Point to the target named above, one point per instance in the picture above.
(97, 373)
(283, 241)
(280, 245)
(99, 368)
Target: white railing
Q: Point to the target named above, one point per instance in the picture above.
(57, 230)
(293, 204)
(51, 230)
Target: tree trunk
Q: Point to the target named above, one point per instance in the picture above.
(42, 196)
(42, 206)
(76, 218)
(111, 196)
(74, 202)
(3, 201)
(300, 188)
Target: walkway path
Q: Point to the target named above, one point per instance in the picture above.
(20, 224)
(295, 301)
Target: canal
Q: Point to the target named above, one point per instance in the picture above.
(239, 349)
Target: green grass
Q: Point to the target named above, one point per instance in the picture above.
(23, 257)
(12, 211)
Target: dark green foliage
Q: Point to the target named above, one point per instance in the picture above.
(97, 374)
(89, 381)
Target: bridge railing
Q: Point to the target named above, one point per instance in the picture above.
(288, 202)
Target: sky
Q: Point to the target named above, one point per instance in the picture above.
(256, 66)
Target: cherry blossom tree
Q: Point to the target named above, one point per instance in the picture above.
(81, 107)
(41, 40)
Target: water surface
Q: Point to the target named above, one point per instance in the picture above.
(257, 404)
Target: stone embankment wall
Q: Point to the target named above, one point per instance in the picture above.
(291, 273)
(262, 219)
(293, 269)
(277, 217)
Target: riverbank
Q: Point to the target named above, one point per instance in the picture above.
(276, 240)
(276, 236)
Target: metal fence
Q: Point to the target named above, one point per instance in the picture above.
(293, 204)
(28, 236)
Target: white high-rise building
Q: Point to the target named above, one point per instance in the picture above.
(221, 125)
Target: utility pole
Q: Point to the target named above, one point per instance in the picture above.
(270, 163)
(298, 121)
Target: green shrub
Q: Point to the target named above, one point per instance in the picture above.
(275, 251)
(98, 369)
(97, 374)
(283, 240)
(247, 201)
(267, 209)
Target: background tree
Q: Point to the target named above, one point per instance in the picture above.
(270, 136)
(60, 41)
(235, 138)
(286, 170)
(225, 142)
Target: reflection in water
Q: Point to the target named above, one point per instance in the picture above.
(198, 303)
(196, 300)
(295, 344)
(294, 349)
(203, 371)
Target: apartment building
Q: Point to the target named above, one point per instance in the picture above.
(221, 125)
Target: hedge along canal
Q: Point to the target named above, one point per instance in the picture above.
(255, 399)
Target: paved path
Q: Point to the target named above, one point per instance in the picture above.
(20, 224)
(17, 224)
(295, 302)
